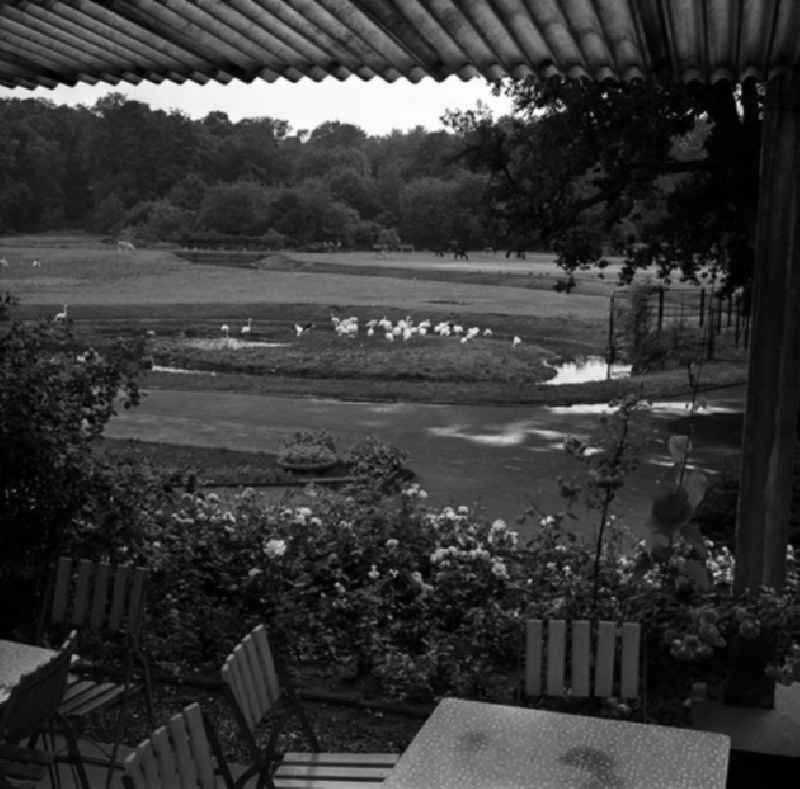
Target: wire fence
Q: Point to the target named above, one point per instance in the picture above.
(710, 322)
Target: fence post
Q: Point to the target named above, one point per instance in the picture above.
(610, 355)
(660, 309)
(710, 329)
(702, 306)
(737, 332)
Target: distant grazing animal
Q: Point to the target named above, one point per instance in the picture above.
(126, 245)
(304, 328)
(246, 330)
(3, 263)
(36, 263)
(516, 341)
(62, 316)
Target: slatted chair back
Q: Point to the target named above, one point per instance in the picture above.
(250, 674)
(591, 672)
(35, 698)
(98, 596)
(176, 756)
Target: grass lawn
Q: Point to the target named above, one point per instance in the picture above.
(87, 272)
(672, 383)
(324, 355)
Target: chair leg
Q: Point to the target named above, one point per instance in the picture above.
(73, 751)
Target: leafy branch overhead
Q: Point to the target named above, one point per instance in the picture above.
(666, 175)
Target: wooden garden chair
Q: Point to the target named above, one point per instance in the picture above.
(593, 669)
(32, 710)
(96, 598)
(255, 693)
(179, 755)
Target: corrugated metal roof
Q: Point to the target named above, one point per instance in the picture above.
(67, 41)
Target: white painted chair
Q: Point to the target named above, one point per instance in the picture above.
(592, 669)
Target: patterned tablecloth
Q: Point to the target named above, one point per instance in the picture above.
(472, 745)
(17, 659)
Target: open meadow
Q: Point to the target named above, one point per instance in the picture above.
(86, 272)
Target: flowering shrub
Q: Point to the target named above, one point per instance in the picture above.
(308, 449)
(414, 602)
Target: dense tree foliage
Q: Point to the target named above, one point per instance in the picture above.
(666, 174)
(121, 167)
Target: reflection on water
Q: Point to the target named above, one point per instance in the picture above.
(590, 368)
(511, 434)
(157, 368)
(231, 343)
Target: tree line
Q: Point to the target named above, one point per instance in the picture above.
(121, 167)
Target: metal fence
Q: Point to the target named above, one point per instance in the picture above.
(712, 320)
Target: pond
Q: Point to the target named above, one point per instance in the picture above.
(582, 370)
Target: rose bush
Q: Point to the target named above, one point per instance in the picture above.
(413, 602)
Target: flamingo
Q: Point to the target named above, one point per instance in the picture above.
(62, 316)
(246, 330)
(516, 341)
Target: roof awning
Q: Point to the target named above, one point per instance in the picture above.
(54, 42)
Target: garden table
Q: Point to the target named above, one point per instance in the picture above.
(17, 659)
(474, 745)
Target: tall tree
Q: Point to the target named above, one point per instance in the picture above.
(580, 159)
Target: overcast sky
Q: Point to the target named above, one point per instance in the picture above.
(375, 106)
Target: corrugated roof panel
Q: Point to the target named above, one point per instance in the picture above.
(53, 41)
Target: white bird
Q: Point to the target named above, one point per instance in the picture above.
(370, 331)
(390, 336)
(225, 329)
(62, 316)
(516, 341)
(249, 328)
(487, 332)
(3, 263)
(464, 340)
(36, 263)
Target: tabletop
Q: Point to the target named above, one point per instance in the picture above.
(474, 745)
(17, 659)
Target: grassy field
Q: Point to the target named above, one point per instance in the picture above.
(324, 355)
(672, 383)
(93, 273)
(112, 293)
